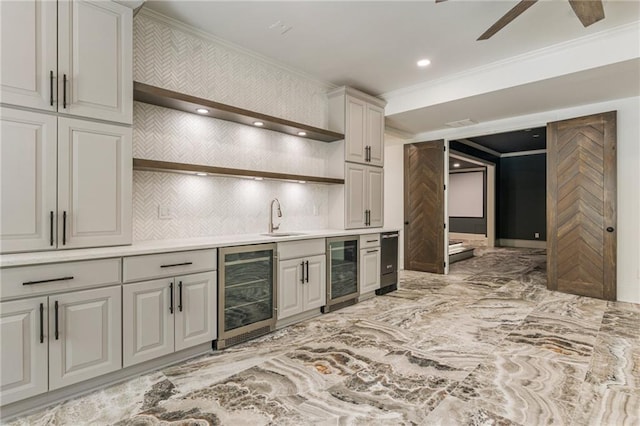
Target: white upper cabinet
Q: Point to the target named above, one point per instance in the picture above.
(28, 57)
(95, 56)
(364, 196)
(27, 180)
(361, 118)
(94, 184)
(71, 56)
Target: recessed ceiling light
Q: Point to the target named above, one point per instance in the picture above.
(201, 174)
(302, 133)
(456, 164)
(536, 135)
(202, 111)
(424, 62)
(258, 123)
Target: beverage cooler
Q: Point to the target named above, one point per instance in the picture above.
(343, 286)
(246, 293)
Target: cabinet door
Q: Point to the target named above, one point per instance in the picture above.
(375, 195)
(355, 130)
(29, 62)
(315, 290)
(148, 321)
(369, 270)
(196, 312)
(85, 335)
(375, 134)
(94, 184)
(27, 180)
(23, 353)
(355, 195)
(95, 51)
(290, 287)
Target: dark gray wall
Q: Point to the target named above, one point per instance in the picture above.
(521, 197)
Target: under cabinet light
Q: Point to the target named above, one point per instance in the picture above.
(258, 178)
(302, 133)
(456, 164)
(202, 111)
(258, 123)
(302, 181)
(200, 174)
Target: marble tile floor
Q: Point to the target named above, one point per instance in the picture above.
(485, 345)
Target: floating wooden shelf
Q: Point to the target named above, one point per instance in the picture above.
(170, 99)
(166, 166)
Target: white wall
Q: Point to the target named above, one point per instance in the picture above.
(171, 55)
(628, 227)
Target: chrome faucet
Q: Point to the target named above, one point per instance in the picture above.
(273, 227)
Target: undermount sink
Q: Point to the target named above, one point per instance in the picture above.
(282, 234)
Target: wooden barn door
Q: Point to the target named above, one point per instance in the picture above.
(424, 206)
(581, 206)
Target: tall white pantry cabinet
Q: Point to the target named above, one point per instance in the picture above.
(65, 180)
(66, 99)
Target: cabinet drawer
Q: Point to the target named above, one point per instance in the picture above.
(40, 279)
(369, 240)
(302, 248)
(137, 268)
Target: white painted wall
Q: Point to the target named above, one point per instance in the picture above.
(628, 227)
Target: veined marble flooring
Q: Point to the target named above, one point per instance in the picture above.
(485, 345)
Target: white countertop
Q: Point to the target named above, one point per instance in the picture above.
(163, 246)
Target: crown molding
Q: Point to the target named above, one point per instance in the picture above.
(196, 32)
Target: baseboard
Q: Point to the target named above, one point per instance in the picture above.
(506, 242)
(465, 236)
(298, 318)
(38, 402)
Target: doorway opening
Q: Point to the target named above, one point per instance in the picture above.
(497, 192)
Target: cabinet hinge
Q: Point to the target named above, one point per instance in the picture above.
(445, 264)
(445, 226)
(445, 148)
(445, 187)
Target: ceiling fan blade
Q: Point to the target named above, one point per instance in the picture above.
(516, 11)
(588, 11)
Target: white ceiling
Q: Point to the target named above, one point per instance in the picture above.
(374, 45)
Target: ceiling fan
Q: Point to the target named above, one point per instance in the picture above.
(588, 11)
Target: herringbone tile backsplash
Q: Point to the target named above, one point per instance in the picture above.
(170, 57)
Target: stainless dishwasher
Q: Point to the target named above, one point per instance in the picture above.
(246, 293)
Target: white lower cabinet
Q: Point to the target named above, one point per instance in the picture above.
(85, 335)
(51, 342)
(302, 285)
(23, 353)
(166, 315)
(369, 263)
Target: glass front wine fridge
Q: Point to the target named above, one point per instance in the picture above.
(246, 293)
(342, 272)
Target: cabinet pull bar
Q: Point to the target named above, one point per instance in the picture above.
(64, 91)
(48, 281)
(51, 88)
(372, 241)
(171, 298)
(302, 272)
(176, 264)
(57, 334)
(307, 265)
(372, 251)
(180, 296)
(64, 227)
(51, 228)
(41, 323)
